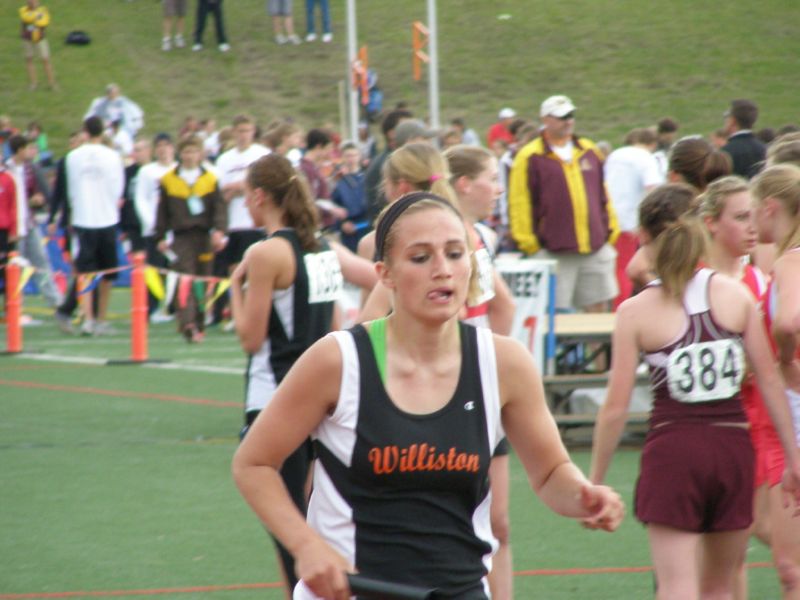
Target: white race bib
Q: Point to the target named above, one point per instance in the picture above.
(325, 281)
(706, 371)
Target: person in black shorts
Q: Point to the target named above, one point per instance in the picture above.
(695, 489)
(95, 186)
(405, 413)
(292, 281)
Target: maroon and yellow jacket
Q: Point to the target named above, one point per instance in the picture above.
(559, 206)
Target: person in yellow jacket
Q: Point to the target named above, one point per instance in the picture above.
(34, 21)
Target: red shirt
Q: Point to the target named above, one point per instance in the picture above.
(498, 131)
(8, 203)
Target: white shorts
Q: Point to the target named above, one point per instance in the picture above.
(584, 279)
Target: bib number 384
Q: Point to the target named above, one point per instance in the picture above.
(706, 371)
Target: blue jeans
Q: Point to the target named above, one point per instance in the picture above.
(325, 8)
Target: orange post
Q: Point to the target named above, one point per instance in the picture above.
(138, 309)
(359, 70)
(13, 305)
(419, 39)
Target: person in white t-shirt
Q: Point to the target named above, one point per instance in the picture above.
(146, 196)
(232, 168)
(630, 172)
(95, 184)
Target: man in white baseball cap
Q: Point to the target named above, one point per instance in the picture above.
(556, 106)
(559, 208)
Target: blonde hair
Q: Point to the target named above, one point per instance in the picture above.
(679, 249)
(423, 166)
(782, 182)
(466, 161)
(785, 149)
(713, 200)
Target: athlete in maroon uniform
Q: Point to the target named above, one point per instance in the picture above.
(695, 328)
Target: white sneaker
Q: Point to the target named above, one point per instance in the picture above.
(159, 317)
(179, 41)
(87, 327)
(281, 39)
(293, 39)
(197, 47)
(327, 38)
(166, 45)
(64, 323)
(224, 47)
(311, 37)
(104, 328)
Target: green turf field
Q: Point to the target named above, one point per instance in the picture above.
(115, 481)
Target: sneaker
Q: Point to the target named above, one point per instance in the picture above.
(166, 44)
(104, 328)
(281, 39)
(197, 47)
(327, 38)
(179, 41)
(87, 327)
(64, 323)
(294, 39)
(311, 37)
(159, 317)
(229, 326)
(29, 321)
(224, 47)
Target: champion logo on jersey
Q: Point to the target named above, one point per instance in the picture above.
(469, 405)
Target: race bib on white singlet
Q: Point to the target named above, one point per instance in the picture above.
(483, 262)
(706, 371)
(325, 281)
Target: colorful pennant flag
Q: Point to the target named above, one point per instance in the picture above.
(155, 284)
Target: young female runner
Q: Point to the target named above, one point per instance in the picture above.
(405, 414)
(696, 481)
(777, 195)
(282, 294)
(727, 212)
(472, 176)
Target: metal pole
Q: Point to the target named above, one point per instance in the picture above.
(433, 65)
(351, 57)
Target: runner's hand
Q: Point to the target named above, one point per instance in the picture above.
(323, 570)
(604, 505)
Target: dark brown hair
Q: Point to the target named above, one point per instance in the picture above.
(698, 162)
(664, 205)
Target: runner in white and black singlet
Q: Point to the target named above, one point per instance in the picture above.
(405, 413)
(469, 176)
(695, 488)
(292, 282)
(776, 192)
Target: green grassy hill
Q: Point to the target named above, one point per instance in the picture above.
(625, 63)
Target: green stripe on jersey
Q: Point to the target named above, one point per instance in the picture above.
(377, 336)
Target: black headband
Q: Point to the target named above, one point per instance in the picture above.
(393, 213)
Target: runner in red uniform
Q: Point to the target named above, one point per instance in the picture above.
(777, 207)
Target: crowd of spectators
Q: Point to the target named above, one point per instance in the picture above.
(345, 177)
